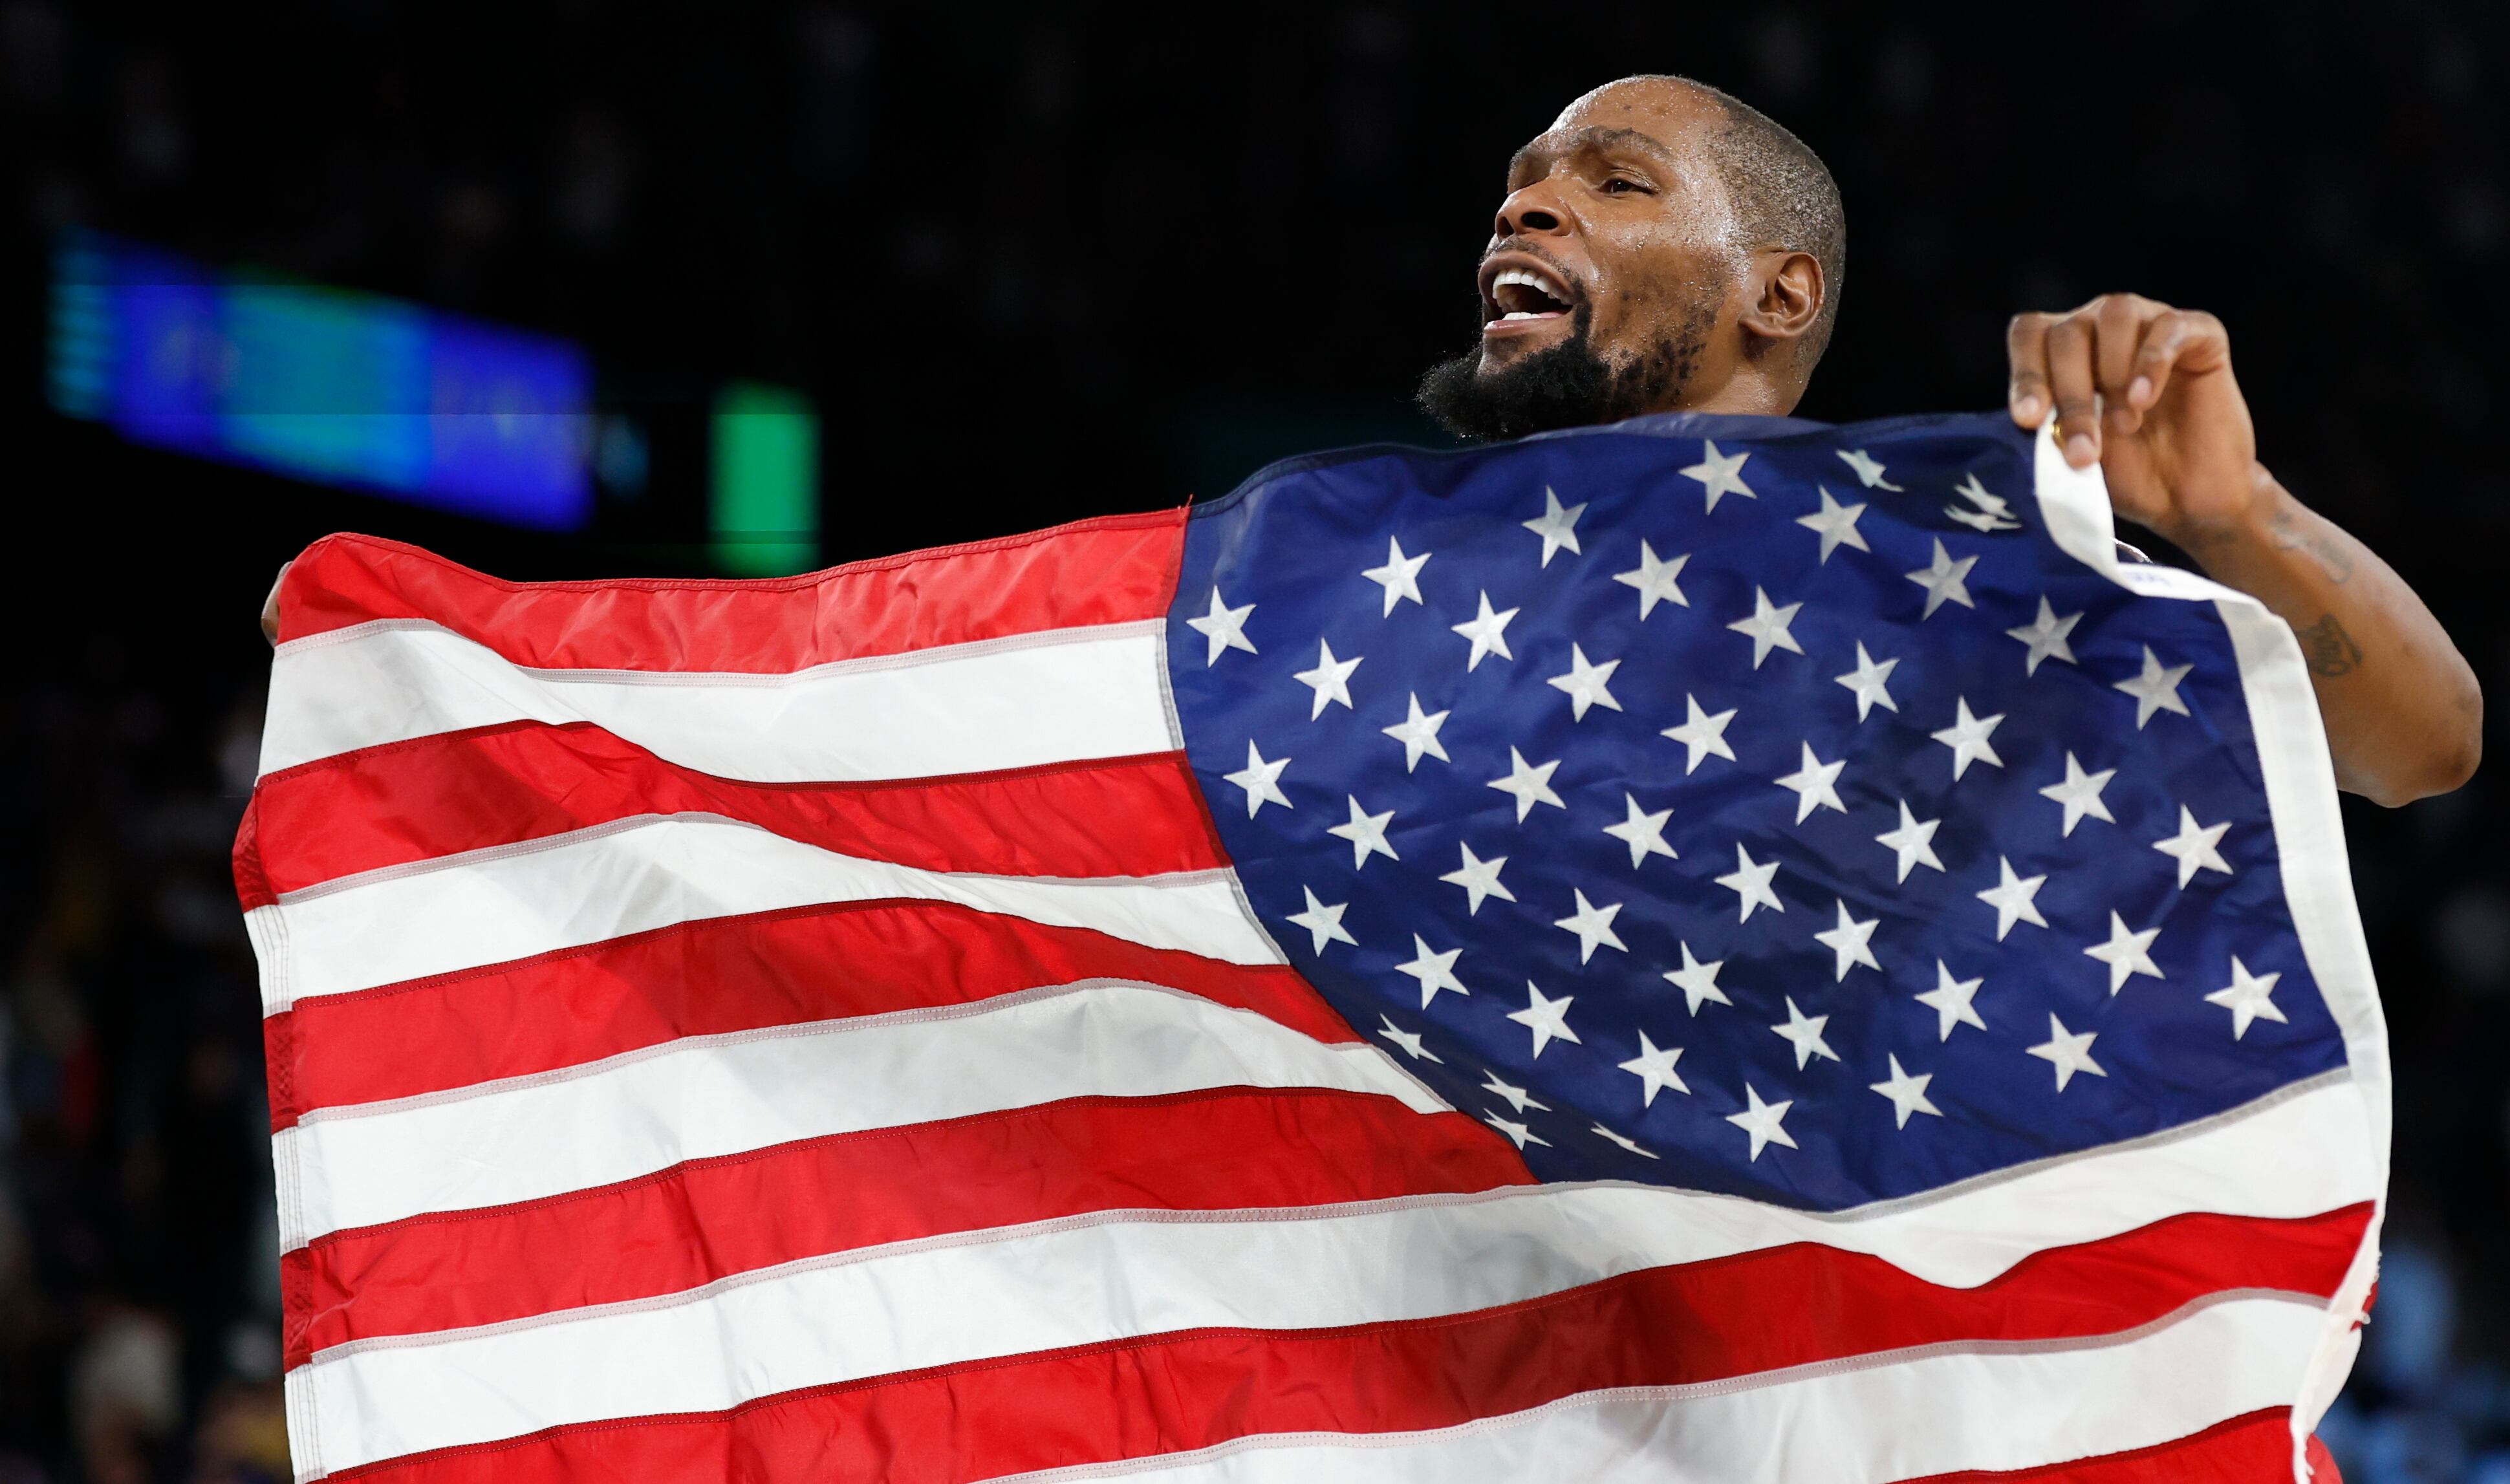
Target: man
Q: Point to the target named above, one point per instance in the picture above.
(1666, 247)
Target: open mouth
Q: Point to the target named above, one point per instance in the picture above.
(1520, 295)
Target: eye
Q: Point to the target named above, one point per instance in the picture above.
(1621, 186)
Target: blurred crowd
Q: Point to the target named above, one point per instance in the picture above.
(138, 1283)
(1096, 238)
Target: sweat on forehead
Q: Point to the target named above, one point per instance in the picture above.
(1661, 107)
(1667, 120)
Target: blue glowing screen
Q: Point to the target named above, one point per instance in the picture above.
(323, 384)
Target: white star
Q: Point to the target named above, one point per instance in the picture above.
(1722, 475)
(1949, 1000)
(1967, 736)
(1261, 780)
(1870, 681)
(1586, 684)
(1330, 680)
(1697, 982)
(1944, 580)
(1547, 1019)
(1851, 940)
(1653, 1068)
(1913, 841)
(1530, 784)
(1626, 1143)
(1836, 523)
(1225, 626)
(1323, 922)
(1489, 632)
(1994, 507)
(2011, 896)
(1517, 1097)
(1750, 882)
(2067, 1052)
(1908, 1094)
(1764, 1122)
(1642, 832)
(2080, 794)
(1434, 971)
(1556, 526)
(1518, 1133)
(1703, 734)
(1767, 627)
(1366, 833)
(1981, 521)
(2046, 637)
(1816, 784)
(1654, 580)
(2193, 847)
(1869, 470)
(1419, 735)
(2126, 953)
(2249, 997)
(1479, 878)
(1804, 1033)
(2156, 689)
(1409, 1041)
(1593, 925)
(1401, 577)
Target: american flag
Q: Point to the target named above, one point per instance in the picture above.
(1709, 948)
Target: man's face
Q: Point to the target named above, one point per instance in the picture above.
(1608, 273)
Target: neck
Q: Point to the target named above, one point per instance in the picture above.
(1747, 391)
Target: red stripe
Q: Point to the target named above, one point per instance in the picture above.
(2250, 1449)
(1219, 1150)
(717, 975)
(441, 795)
(1665, 1326)
(1111, 570)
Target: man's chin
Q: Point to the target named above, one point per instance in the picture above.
(1506, 391)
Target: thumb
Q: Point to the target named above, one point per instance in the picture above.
(270, 605)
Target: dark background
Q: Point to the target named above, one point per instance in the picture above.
(1039, 264)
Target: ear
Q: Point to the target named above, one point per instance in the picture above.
(1786, 294)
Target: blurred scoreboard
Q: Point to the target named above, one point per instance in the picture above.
(323, 384)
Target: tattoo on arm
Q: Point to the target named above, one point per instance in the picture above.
(2327, 648)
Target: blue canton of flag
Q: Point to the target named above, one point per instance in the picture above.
(1748, 805)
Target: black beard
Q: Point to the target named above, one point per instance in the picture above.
(1567, 386)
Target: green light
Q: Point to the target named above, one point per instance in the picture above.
(763, 519)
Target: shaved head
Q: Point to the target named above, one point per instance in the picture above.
(1783, 195)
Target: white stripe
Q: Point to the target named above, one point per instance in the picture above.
(2318, 888)
(1939, 1412)
(695, 1099)
(1057, 695)
(2292, 762)
(593, 885)
(1110, 1276)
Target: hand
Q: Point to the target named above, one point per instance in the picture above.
(270, 605)
(2169, 426)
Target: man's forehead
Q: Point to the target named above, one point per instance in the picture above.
(1560, 139)
(1649, 120)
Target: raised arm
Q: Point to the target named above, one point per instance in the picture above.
(2147, 390)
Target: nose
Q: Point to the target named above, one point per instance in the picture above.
(1531, 211)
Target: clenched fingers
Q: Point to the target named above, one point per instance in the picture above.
(2072, 342)
(2176, 338)
(2089, 358)
(2025, 349)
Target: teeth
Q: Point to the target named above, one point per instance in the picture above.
(1542, 292)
